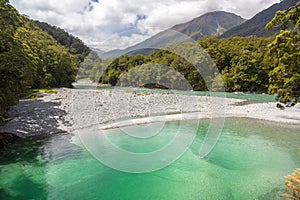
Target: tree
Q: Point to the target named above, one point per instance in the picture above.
(31, 58)
(242, 61)
(74, 44)
(285, 77)
(15, 64)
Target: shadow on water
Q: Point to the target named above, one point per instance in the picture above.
(21, 161)
(25, 163)
(34, 190)
(39, 150)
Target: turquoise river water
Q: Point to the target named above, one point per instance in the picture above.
(249, 161)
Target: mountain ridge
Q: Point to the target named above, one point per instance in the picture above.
(211, 23)
(256, 25)
(205, 25)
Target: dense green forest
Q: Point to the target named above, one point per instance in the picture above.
(242, 61)
(285, 51)
(32, 58)
(264, 65)
(75, 45)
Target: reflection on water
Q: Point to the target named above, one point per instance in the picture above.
(248, 162)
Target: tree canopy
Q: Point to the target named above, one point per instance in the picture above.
(246, 64)
(31, 58)
(243, 63)
(285, 76)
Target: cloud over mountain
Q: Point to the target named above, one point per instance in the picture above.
(117, 24)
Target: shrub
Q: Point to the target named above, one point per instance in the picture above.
(293, 185)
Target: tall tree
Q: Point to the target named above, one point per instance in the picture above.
(31, 58)
(285, 77)
(15, 64)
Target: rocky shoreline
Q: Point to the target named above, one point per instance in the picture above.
(71, 109)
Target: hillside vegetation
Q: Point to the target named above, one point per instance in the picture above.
(244, 63)
(31, 58)
(75, 45)
(264, 65)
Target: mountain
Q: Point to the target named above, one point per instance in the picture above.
(98, 51)
(256, 25)
(214, 23)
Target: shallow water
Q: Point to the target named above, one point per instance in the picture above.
(252, 98)
(249, 162)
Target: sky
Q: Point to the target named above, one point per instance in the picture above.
(117, 24)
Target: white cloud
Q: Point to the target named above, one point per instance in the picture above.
(100, 24)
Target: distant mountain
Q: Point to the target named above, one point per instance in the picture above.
(214, 23)
(98, 51)
(256, 25)
(158, 41)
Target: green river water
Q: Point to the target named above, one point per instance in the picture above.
(249, 161)
(251, 98)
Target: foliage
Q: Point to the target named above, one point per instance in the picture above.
(37, 93)
(74, 44)
(121, 65)
(285, 77)
(293, 185)
(15, 64)
(30, 58)
(125, 64)
(54, 65)
(245, 63)
(242, 61)
(92, 67)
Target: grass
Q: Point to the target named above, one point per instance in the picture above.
(47, 91)
(38, 93)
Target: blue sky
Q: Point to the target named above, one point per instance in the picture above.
(110, 24)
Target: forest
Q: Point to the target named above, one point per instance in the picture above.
(33, 55)
(246, 64)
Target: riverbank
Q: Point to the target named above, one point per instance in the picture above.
(69, 110)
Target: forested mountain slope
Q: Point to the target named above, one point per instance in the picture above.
(31, 58)
(74, 44)
(246, 64)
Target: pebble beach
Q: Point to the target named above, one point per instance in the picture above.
(72, 109)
